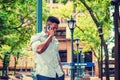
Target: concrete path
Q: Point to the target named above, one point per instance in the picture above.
(26, 77)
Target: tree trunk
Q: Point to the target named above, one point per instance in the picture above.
(4, 66)
(99, 68)
(102, 38)
(15, 65)
(3, 71)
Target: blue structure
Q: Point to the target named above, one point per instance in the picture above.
(87, 64)
(38, 27)
(39, 16)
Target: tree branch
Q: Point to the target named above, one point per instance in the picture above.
(93, 52)
(79, 28)
(91, 13)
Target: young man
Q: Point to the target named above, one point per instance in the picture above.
(45, 47)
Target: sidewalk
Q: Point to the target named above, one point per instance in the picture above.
(27, 76)
(93, 78)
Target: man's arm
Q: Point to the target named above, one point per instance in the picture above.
(43, 46)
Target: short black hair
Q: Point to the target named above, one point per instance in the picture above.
(53, 19)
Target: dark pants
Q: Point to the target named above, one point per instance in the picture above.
(40, 77)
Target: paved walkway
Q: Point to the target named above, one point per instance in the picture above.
(26, 76)
(92, 78)
(67, 78)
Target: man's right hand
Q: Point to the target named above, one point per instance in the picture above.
(51, 32)
(43, 46)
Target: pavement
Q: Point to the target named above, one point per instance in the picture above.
(27, 76)
(91, 78)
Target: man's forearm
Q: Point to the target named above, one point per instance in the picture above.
(43, 46)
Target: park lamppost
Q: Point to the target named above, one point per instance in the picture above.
(39, 16)
(77, 44)
(82, 56)
(81, 61)
(71, 25)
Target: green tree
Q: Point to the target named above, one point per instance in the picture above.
(17, 24)
(17, 20)
(90, 15)
(100, 14)
(5, 57)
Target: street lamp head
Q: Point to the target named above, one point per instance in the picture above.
(71, 23)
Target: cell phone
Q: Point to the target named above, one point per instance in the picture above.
(47, 27)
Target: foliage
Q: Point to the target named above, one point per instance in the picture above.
(17, 20)
(17, 24)
(100, 14)
(86, 29)
(45, 11)
(60, 1)
(100, 10)
(16, 27)
(3, 50)
(63, 10)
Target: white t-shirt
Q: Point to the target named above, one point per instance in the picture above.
(47, 63)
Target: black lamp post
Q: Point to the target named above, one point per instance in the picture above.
(77, 44)
(71, 25)
(80, 54)
(81, 61)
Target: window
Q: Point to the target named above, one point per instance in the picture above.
(63, 56)
(61, 31)
(88, 56)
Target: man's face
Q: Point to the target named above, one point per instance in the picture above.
(54, 26)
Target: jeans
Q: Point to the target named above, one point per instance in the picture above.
(40, 77)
